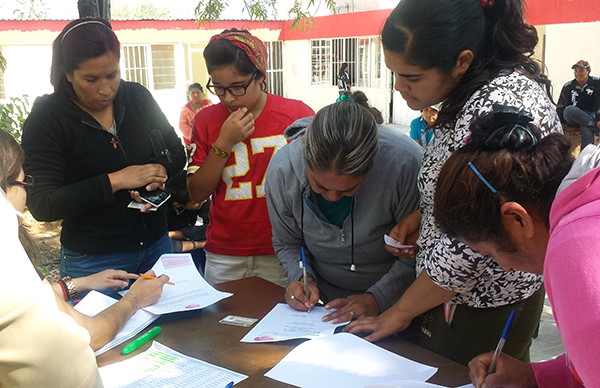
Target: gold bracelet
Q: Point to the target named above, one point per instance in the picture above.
(220, 152)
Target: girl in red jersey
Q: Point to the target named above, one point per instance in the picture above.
(232, 144)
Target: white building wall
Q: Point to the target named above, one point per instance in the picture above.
(565, 45)
(297, 78)
(28, 71)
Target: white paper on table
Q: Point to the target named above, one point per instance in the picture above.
(391, 242)
(160, 366)
(95, 302)
(412, 384)
(283, 323)
(189, 292)
(345, 360)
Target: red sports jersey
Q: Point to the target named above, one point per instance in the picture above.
(239, 220)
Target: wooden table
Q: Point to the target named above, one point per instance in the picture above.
(204, 338)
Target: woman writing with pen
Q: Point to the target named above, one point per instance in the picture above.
(500, 194)
(331, 196)
(31, 309)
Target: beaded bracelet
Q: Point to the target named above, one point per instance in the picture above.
(64, 289)
(220, 152)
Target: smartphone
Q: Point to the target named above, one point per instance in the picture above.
(156, 197)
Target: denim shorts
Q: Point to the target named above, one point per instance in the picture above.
(77, 265)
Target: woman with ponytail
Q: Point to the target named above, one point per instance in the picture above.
(466, 55)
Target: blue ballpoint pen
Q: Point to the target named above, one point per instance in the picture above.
(501, 342)
(305, 277)
(229, 385)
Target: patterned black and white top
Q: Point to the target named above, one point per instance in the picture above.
(479, 280)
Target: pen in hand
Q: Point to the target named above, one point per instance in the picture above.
(305, 277)
(492, 366)
(153, 277)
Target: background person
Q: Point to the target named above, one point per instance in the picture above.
(189, 110)
(343, 79)
(579, 103)
(187, 220)
(470, 55)
(335, 190)
(524, 227)
(232, 144)
(87, 145)
(421, 127)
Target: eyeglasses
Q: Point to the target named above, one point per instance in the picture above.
(27, 181)
(237, 90)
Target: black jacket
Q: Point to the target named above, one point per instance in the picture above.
(70, 156)
(586, 98)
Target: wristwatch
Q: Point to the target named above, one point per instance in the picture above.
(71, 289)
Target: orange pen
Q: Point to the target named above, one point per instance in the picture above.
(152, 277)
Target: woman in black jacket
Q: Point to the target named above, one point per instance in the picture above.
(89, 145)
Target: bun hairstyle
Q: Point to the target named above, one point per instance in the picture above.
(342, 138)
(361, 99)
(504, 160)
(80, 40)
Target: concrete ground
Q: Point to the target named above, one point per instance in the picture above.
(548, 344)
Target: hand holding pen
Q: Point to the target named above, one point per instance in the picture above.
(305, 277)
(302, 294)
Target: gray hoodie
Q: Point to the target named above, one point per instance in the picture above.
(388, 194)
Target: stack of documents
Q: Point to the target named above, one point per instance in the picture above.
(189, 292)
(95, 302)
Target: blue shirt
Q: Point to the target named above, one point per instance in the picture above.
(418, 132)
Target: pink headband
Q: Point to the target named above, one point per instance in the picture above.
(81, 24)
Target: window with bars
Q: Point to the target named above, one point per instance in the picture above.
(275, 67)
(150, 65)
(363, 56)
(321, 62)
(369, 62)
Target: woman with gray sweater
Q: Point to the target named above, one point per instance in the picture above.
(335, 190)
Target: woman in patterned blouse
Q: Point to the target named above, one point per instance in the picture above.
(469, 55)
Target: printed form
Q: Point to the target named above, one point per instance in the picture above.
(161, 366)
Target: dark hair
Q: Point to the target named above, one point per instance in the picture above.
(11, 162)
(177, 187)
(361, 99)
(195, 85)
(342, 138)
(523, 170)
(11, 159)
(342, 71)
(222, 52)
(432, 33)
(80, 40)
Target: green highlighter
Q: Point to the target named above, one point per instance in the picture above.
(133, 345)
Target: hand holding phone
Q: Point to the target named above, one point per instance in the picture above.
(155, 197)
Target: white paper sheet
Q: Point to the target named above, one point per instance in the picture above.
(95, 302)
(391, 242)
(189, 292)
(160, 367)
(345, 360)
(284, 323)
